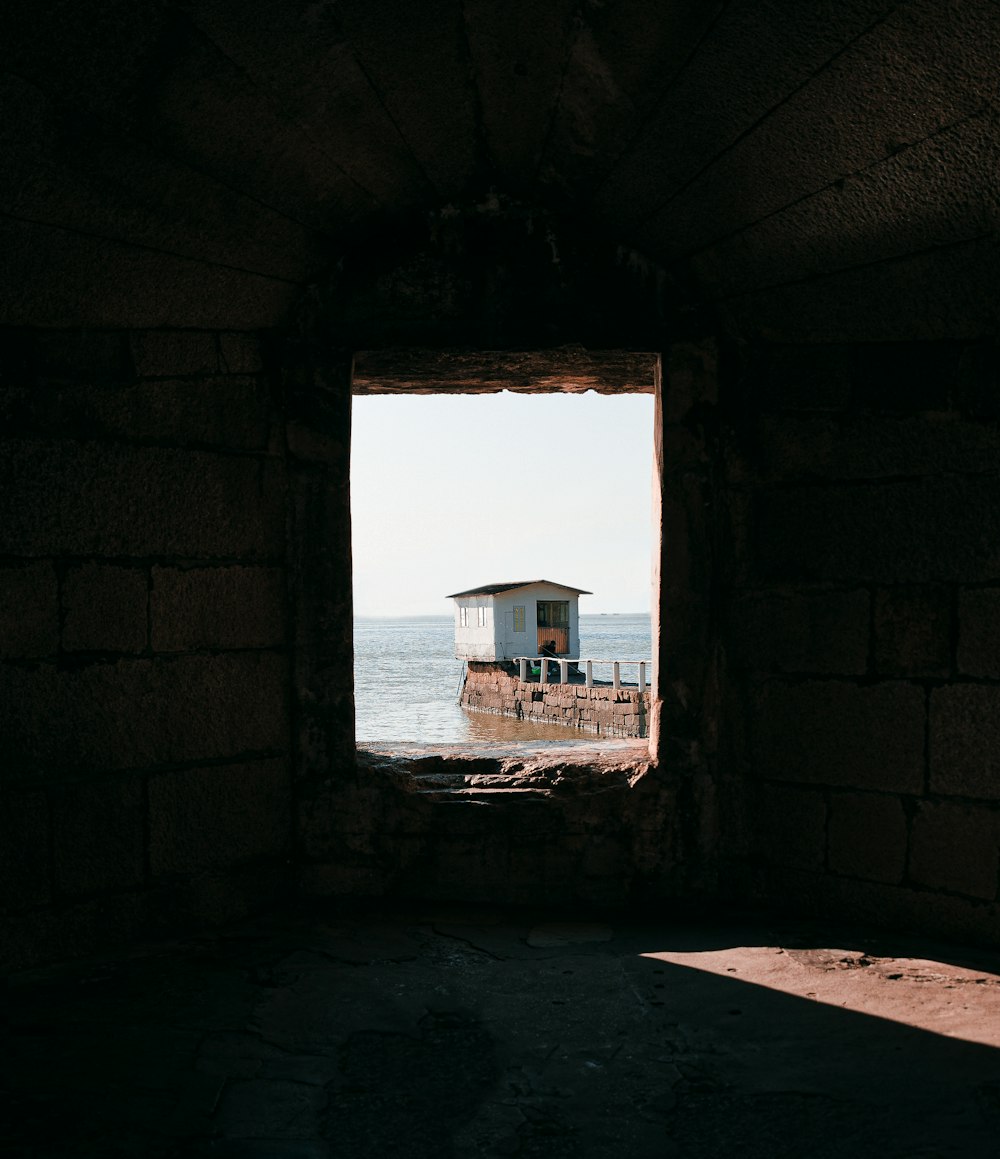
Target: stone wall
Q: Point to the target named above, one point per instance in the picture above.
(584, 828)
(863, 642)
(601, 709)
(175, 676)
(145, 780)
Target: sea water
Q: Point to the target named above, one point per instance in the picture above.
(406, 679)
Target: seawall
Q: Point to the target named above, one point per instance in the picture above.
(600, 709)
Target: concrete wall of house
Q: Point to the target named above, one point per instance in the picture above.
(525, 643)
(497, 640)
(863, 692)
(509, 642)
(474, 641)
(144, 665)
(601, 710)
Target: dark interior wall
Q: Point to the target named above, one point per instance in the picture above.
(648, 173)
(863, 654)
(143, 632)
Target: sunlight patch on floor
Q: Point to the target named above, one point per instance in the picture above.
(929, 995)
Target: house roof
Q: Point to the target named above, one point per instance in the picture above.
(496, 589)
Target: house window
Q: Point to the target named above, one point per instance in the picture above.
(553, 613)
(463, 617)
(481, 613)
(519, 619)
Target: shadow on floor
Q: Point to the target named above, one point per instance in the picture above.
(453, 1034)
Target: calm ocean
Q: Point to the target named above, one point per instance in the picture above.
(406, 679)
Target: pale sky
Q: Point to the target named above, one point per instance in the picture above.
(452, 491)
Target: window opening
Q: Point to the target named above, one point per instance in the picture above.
(418, 488)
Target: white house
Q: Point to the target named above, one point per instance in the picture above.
(501, 621)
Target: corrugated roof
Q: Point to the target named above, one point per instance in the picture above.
(496, 589)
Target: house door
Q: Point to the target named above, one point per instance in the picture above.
(553, 626)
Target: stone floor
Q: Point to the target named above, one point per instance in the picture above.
(447, 1033)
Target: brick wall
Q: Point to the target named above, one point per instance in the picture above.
(143, 635)
(863, 652)
(601, 710)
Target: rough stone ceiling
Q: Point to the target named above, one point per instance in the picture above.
(819, 168)
(563, 371)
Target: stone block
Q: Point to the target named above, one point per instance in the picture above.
(104, 608)
(480, 863)
(73, 931)
(979, 632)
(806, 377)
(906, 376)
(788, 826)
(691, 377)
(685, 528)
(978, 390)
(937, 530)
(239, 353)
(965, 741)
(100, 499)
(18, 356)
(838, 733)
(604, 856)
(913, 631)
(220, 411)
(872, 446)
(218, 815)
(97, 829)
(867, 836)
(172, 353)
(790, 447)
(134, 714)
(795, 890)
(24, 850)
(214, 897)
(956, 847)
(92, 356)
(939, 914)
(802, 632)
(353, 881)
(683, 447)
(223, 607)
(29, 611)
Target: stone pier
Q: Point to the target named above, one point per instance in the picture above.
(599, 708)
